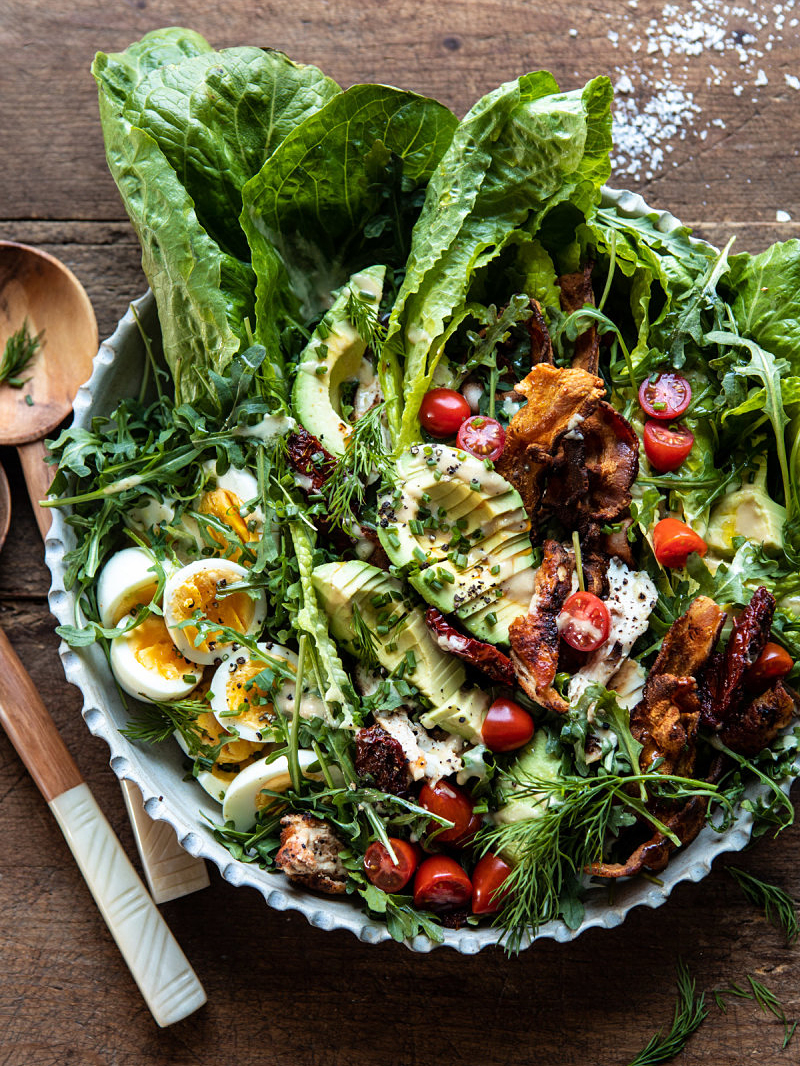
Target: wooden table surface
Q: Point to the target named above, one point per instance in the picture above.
(708, 126)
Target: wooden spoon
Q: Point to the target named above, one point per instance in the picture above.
(36, 287)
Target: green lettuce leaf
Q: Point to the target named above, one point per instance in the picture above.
(338, 193)
(520, 151)
(767, 302)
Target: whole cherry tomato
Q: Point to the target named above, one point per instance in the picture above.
(666, 446)
(482, 437)
(453, 803)
(441, 885)
(773, 662)
(507, 726)
(442, 411)
(665, 396)
(584, 622)
(487, 877)
(383, 872)
(674, 542)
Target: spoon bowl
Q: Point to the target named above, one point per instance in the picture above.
(35, 287)
(5, 507)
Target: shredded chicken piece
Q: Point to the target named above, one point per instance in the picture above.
(535, 638)
(309, 854)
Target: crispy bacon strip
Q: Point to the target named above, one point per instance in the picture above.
(558, 400)
(485, 657)
(577, 292)
(666, 719)
(534, 638)
(752, 726)
(541, 345)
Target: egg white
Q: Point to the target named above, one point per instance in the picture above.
(228, 692)
(194, 587)
(127, 579)
(239, 752)
(243, 799)
(147, 665)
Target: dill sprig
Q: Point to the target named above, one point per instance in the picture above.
(157, 722)
(20, 349)
(346, 488)
(363, 316)
(764, 997)
(690, 1013)
(779, 907)
(364, 639)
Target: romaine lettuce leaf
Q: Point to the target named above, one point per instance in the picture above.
(327, 197)
(767, 299)
(520, 151)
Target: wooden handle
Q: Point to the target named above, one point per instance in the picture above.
(161, 970)
(31, 729)
(38, 476)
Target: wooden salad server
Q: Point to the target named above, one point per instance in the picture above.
(36, 287)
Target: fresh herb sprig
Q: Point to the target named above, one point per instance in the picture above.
(19, 350)
(778, 906)
(690, 1013)
(362, 313)
(346, 489)
(764, 997)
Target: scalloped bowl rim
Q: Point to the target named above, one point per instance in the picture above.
(136, 763)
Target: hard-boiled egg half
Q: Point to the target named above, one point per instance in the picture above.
(232, 759)
(127, 580)
(201, 587)
(247, 690)
(230, 500)
(147, 664)
(245, 796)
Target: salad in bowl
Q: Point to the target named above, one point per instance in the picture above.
(452, 529)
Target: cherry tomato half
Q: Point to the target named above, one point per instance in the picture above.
(384, 873)
(507, 726)
(453, 803)
(665, 396)
(442, 411)
(482, 437)
(487, 877)
(666, 446)
(441, 885)
(584, 621)
(773, 662)
(674, 542)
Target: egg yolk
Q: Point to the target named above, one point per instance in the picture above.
(280, 784)
(225, 505)
(139, 597)
(154, 650)
(201, 592)
(253, 703)
(237, 753)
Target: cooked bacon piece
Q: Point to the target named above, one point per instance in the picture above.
(309, 854)
(577, 292)
(749, 635)
(618, 544)
(381, 757)
(534, 638)
(753, 726)
(309, 458)
(541, 345)
(612, 462)
(666, 719)
(558, 400)
(485, 657)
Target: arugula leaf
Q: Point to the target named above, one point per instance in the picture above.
(519, 151)
(734, 582)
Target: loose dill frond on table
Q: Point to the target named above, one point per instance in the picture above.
(764, 997)
(778, 906)
(20, 349)
(690, 1013)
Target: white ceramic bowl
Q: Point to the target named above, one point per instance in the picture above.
(159, 770)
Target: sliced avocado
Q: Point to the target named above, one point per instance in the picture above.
(466, 529)
(747, 512)
(534, 763)
(331, 357)
(397, 628)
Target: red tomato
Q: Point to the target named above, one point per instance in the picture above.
(665, 396)
(674, 542)
(384, 873)
(507, 726)
(487, 878)
(666, 446)
(441, 885)
(584, 621)
(482, 437)
(450, 802)
(442, 411)
(773, 662)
